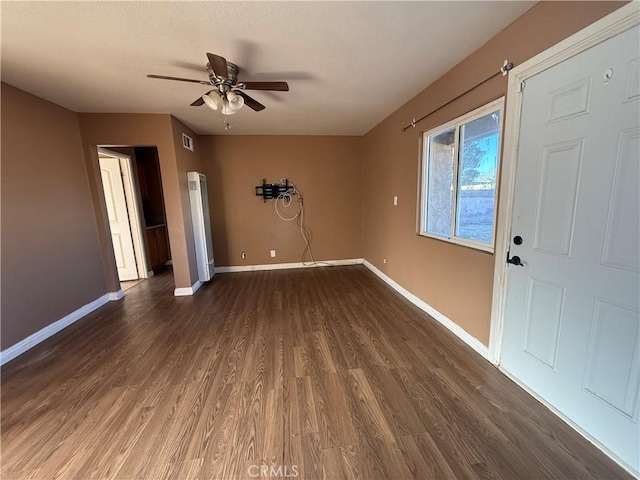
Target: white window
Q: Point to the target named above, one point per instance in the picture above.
(459, 178)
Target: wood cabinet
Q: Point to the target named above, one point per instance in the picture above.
(157, 245)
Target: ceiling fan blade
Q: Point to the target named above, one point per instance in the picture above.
(218, 65)
(250, 102)
(277, 86)
(200, 101)
(162, 77)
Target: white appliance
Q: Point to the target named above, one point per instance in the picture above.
(201, 225)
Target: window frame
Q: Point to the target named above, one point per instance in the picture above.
(458, 122)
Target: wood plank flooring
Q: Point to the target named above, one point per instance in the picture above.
(315, 373)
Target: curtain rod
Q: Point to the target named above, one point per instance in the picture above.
(506, 66)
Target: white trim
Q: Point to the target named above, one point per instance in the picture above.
(150, 274)
(570, 422)
(35, 338)
(613, 24)
(186, 291)
(456, 329)
(463, 242)
(456, 124)
(285, 266)
(116, 295)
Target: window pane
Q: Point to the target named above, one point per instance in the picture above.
(440, 181)
(477, 173)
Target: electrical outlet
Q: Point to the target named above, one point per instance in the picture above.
(384, 260)
(244, 254)
(395, 200)
(273, 253)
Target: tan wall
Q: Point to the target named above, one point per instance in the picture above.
(186, 161)
(51, 261)
(328, 170)
(143, 130)
(455, 280)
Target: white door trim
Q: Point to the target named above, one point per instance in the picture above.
(613, 24)
(134, 207)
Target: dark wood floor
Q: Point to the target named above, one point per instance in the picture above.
(323, 373)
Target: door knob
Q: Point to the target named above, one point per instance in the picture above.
(515, 260)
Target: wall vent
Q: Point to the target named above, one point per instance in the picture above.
(187, 142)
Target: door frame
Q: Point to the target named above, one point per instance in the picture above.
(134, 208)
(610, 26)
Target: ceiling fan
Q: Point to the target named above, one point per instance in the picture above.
(228, 94)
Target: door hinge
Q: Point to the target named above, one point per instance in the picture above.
(520, 87)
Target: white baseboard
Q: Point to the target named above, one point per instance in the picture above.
(116, 295)
(53, 328)
(284, 266)
(186, 291)
(424, 306)
(571, 423)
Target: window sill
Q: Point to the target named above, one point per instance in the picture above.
(461, 242)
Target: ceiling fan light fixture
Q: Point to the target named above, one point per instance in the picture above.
(227, 110)
(213, 102)
(235, 101)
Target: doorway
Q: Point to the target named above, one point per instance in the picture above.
(122, 198)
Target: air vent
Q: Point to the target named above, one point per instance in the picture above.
(187, 142)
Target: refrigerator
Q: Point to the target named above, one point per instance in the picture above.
(201, 225)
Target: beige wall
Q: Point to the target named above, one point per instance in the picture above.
(328, 170)
(455, 280)
(145, 130)
(186, 161)
(51, 261)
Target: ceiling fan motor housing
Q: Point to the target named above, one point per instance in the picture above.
(232, 75)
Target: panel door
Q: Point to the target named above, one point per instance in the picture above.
(118, 218)
(571, 330)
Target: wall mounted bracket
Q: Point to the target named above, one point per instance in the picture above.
(271, 191)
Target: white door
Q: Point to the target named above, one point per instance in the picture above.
(571, 328)
(118, 218)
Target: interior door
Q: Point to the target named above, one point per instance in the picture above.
(571, 328)
(118, 218)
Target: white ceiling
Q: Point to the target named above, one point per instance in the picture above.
(348, 64)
